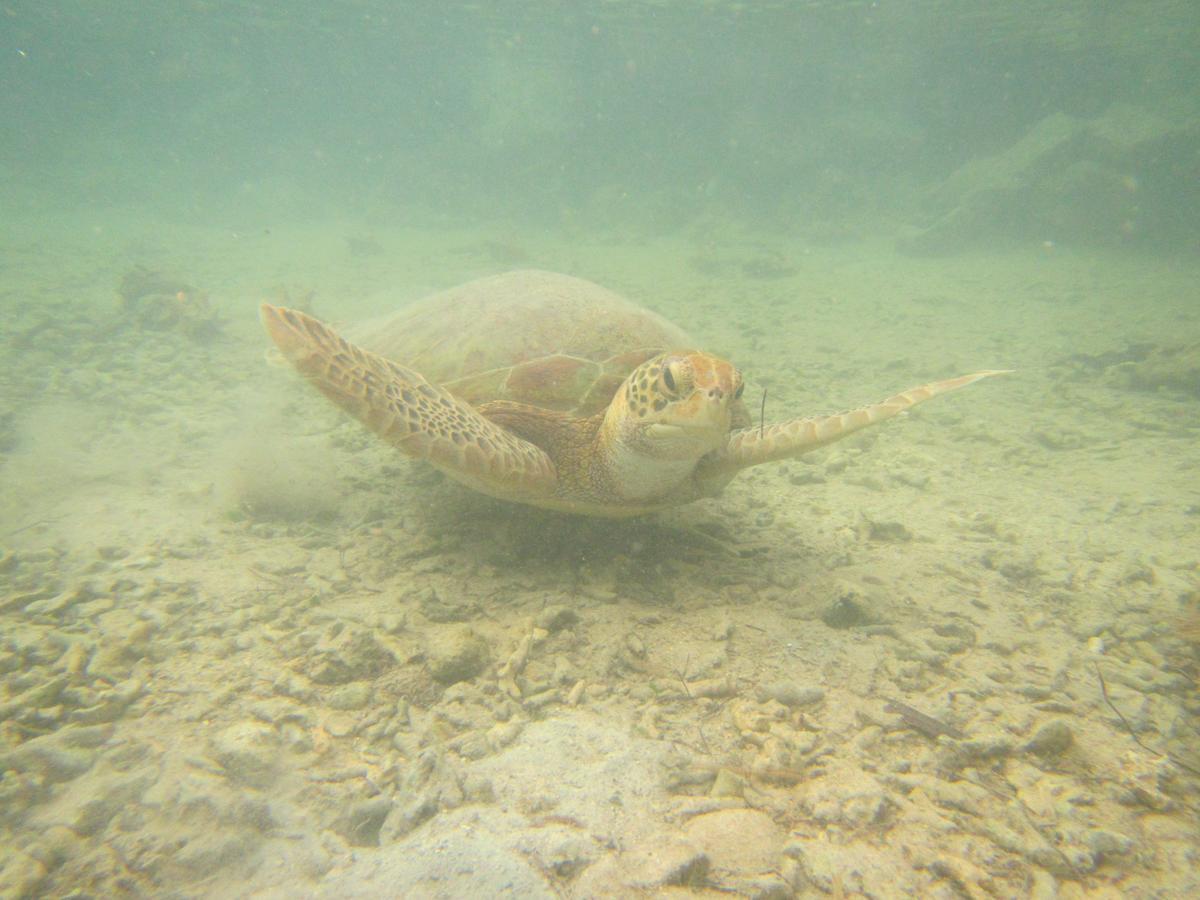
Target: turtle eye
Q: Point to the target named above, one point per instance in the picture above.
(676, 377)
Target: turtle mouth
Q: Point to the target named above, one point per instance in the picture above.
(661, 431)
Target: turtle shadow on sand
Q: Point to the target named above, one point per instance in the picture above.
(520, 535)
(646, 558)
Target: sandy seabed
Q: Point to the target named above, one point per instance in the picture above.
(246, 650)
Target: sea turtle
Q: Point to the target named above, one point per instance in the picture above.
(550, 390)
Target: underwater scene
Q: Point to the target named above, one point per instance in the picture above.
(599, 449)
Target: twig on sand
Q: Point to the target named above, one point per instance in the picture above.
(1129, 728)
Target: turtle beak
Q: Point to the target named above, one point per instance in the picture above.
(701, 432)
(660, 432)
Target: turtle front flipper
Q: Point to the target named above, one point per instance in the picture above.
(418, 418)
(751, 446)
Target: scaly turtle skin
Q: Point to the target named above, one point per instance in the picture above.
(549, 390)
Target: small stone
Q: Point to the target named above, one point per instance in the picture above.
(457, 656)
(912, 477)
(144, 562)
(360, 825)
(340, 725)
(743, 841)
(214, 850)
(1052, 739)
(85, 736)
(791, 694)
(727, 784)
(472, 745)
(248, 752)
(564, 672)
(442, 610)
(770, 887)
(254, 812)
(667, 862)
(52, 848)
(837, 462)
(504, 733)
(20, 874)
(959, 754)
(1043, 886)
(893, 532)
(43, 694)
(555, 618)
(53, 606)
(712, 687)
(478, 789)
(845, 612)
(75, 659)
(404, 818)
(49, 760)
(350, 655)
(293, 687)
(1102, 843)
(117, 796)
(391, 624)
(807, 476)
(542, 698)
(350, 696)
(111, 704)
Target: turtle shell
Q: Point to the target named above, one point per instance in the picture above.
(549, 340)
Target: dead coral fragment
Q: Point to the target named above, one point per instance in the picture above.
(163, 303)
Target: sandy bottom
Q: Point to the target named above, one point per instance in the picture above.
(246, 650)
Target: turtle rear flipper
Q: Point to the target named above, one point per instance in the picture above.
(420, 419)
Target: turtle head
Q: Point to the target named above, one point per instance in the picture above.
(670, 411)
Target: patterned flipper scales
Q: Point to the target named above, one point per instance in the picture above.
(420, 419)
